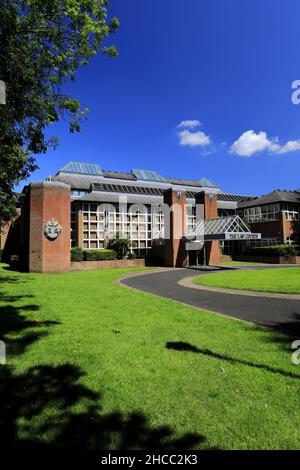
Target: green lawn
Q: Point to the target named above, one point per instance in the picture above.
(92, 364)
(282, 280)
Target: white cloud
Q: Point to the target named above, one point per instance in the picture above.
(290, 146)
(193, 139)
(251, 143)
(190, 123)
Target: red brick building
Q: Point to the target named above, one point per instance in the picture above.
(275, 216)
(86, 206)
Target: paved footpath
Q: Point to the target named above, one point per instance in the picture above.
(282, 315)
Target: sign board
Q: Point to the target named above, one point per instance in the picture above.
(229, 236)
(192, 246)
(242, 236)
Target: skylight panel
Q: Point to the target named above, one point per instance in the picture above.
(147, 175)
(82, 168)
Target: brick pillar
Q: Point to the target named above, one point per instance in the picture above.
(210, 211)
(175, 253)
(47, 201)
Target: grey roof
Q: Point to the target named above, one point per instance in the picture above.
(206, 183)
(92, 170)
(134, 189)
(119, 175)
(147, 175)
(202, 183)
(272, 198)
(82, 168)
(115, 198)
(76, 181)
(234, 197)
(102, 185)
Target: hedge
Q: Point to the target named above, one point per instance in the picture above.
(274, 250)
(99, 255)
(76, 254)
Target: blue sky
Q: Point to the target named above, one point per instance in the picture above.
(226, 63)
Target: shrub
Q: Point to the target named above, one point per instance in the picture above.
(76, 254)
(131, 255)
(1, 252)
(120, 245)
(99, 255)
(14, 261)
(274, 250)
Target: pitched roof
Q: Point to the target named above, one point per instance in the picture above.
(82, 168)
(78, 169)
(206, 183)
(278, 195)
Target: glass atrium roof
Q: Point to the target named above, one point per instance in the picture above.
(82, 168)
(147, 175)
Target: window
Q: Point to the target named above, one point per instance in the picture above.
(266, 213)
(190, 217)
(290, 240)
(101, 225)
(78, 193)
(291, 211)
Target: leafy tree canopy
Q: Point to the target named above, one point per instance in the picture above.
(42, 44)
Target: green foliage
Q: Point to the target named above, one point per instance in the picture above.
(120, 245)
(42, 44)
(131, 255)
(76, 254)
(275, 250)
(99, 255)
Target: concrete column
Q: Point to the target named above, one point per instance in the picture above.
(49, 210)
(175, 253)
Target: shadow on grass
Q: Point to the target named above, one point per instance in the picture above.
(58, 390)
(289, 328)
(48, 407)
(17, 331)
(187, 347)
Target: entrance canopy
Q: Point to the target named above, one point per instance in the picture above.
(223, 228)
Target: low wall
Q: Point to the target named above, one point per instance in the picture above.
(105, 264)
(269, 259)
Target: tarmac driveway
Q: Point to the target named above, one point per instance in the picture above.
(282, 315)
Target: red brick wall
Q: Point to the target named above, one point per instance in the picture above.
(280, 229)
(48, 200)
(291, 228)
(175, 252)
(210, 211)
(269, 229)
(107, 264)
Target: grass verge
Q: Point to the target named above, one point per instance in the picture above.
(280, 280)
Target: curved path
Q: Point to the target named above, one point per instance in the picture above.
(282, 315)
